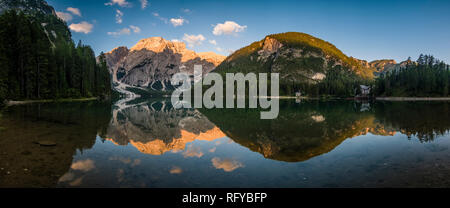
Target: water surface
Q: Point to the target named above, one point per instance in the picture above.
(147, 143)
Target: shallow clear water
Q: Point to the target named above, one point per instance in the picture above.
(150, 144)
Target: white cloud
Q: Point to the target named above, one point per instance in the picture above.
(228, 28)
(177, 22)
(82, 27)
(83, 165)
(74, 11)
(193, 40)
(64, 16)
(176, 170)
(122, 3)
(119, 16)
(135, 29)
(144, 4)
(214, 42)
(220, 49)
(126, 31)
(213, 150)
(227, 165)
(193, 151)
(187, 11)
(165, 20)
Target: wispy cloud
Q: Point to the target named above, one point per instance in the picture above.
(213, 42)
(126, 31)
(135, 29)
(187, 11)
(220, 49)
(176, 170)
(67, 17)
(213, 150)
(165, 20)
(228, 165)
(193, 40)
(177, 21)
(144, 4)
(74, 11)
(83, 165)
(192, 151)
(122, 3)
(82, 27)
(228, 28)
(119, 15)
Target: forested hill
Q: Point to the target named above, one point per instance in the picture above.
(315, 67)
(306, 64)
(39, 60)
(427, 77)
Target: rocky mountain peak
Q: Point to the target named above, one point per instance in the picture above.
(158, 44)
(382, 66)
(382, 63)
(153, 61)
(27, 6)
(115, 56)
(212, 57)
(271, 45)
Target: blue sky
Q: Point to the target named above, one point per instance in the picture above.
(367, 29)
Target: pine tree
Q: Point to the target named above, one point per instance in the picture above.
(35, 67)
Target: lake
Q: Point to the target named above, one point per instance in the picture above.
(148, 143)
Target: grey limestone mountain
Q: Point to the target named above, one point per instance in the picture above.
(152, 62)
(385, 65)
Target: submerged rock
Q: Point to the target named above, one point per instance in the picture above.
(46, 143)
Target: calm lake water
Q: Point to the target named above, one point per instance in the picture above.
(149, 144)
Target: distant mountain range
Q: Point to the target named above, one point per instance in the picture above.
(301, 59)
(298, 57)
(379, 67)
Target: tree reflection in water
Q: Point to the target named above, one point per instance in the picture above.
(302, 131)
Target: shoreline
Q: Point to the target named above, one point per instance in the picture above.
(23, 102)
(413, 98)
(376, 98)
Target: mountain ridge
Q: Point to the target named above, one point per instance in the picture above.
(308, 65)
(151, 63)
(27, 6)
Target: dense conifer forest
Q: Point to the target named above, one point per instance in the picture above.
(39, 60)
(427, 77)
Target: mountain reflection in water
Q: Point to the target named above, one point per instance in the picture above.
(311, 129)
(155, 127)
(142, 143)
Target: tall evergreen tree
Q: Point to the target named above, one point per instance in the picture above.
(35, 65)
